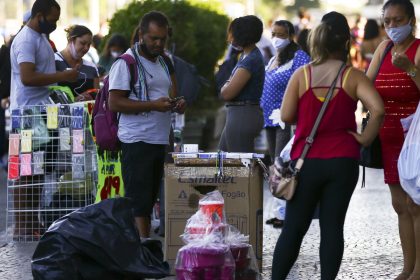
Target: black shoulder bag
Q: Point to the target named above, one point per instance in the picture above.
(371, 156)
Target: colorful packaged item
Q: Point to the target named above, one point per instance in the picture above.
(52, 117)
(38, 162)
(78, 141)
(26, 141)
(14, 144)
(25, 164)
(13, 169)
(77, 117)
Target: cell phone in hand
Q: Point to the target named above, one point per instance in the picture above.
(176, 99)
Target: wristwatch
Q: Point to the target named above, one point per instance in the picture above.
(412, 72)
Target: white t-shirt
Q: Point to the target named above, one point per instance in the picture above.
(30, 46)
(151, 127)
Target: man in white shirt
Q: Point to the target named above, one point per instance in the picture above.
(32, 71)
(145, 116)
(32, 57)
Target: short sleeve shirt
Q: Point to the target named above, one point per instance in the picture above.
(87, 73)
(33, 47)
(149, 127)
(254, 63)
(275, 84)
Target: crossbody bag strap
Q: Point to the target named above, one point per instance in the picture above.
(387, 49)
(310, 138)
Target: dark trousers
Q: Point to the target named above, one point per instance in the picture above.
(142, 171)
(277, 138)
(330, 182)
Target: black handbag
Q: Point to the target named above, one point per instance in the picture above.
(371, 156)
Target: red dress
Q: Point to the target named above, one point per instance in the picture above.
(401, 96)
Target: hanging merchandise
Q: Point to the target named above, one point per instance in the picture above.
(52, 116)
(52, 170)
(14, 144)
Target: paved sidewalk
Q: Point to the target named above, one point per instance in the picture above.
(372, 250)
(372, 246)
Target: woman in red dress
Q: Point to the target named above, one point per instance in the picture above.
(398, 83)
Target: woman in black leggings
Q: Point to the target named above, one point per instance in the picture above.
(330, 171)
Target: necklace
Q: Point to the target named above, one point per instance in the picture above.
(404, 48)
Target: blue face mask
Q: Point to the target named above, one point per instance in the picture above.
(399, 34)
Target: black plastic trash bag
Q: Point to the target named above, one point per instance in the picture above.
(99, 241)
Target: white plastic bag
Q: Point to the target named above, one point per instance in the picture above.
(285, 153)
(409, 160)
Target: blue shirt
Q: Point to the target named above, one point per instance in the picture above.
(275, 84)
(253, 63)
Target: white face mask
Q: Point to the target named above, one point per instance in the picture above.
(73, 52)
(115, 54)
(280, 43)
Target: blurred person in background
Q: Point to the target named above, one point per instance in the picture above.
(5, 79)
(281, 67)
(115, 46)
(371, 41)
(79, 39)
(330, 172)
(398, 83)
(92, 55)
(356, 33)
(302, 40)
(242, 91)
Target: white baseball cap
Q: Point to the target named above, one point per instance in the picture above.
(26, 16)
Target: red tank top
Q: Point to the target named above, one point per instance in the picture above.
(332, 139)
(398, 91)
(401, 96)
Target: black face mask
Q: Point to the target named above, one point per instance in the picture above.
(46, 27)
(146, 51)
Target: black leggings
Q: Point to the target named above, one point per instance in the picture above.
(330, 182)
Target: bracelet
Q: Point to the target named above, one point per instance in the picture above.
(412, 71)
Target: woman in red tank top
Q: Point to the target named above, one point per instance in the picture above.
(330, 171)
(398, 83)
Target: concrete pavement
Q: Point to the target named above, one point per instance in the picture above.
(372, 246)
(372, 250)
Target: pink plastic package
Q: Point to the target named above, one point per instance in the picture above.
(214, 250)
(201, 260)
(246, 267)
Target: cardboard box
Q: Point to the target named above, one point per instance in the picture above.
(242, 190)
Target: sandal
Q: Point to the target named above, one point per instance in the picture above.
(278, 224)
(271, 221)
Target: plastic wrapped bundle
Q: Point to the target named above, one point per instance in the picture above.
(245, 262)
(205, 260)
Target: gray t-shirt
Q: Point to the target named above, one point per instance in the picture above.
(30, 46)
(151, 127)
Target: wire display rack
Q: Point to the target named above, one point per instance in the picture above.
(52, 167)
